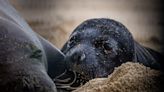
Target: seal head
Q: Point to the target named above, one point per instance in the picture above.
(97, 46)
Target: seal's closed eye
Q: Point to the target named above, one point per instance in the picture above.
(107, 46)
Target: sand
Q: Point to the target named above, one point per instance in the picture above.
(129, 77)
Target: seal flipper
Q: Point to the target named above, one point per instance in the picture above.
(147, 57)
(158, 57)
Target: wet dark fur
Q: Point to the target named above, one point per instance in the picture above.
(97, 46)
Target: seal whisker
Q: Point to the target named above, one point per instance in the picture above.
(67, 84)
(63, 80)
(60, 74)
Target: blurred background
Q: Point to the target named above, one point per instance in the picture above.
(56, 19)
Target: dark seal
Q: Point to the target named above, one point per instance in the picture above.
(28, 62)
(23, 65)
(97, 46)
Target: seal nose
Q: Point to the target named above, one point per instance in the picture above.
(77, 57)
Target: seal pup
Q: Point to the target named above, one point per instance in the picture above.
(97, 46)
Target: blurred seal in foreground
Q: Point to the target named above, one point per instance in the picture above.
(26, 59)
(22, 64)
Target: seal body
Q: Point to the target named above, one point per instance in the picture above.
(22, 61)
(97, 46)
(26, 59)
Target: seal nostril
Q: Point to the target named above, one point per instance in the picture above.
(82, 57)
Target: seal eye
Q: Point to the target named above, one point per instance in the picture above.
(71, 42)
(107, 46)
(74, 40)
